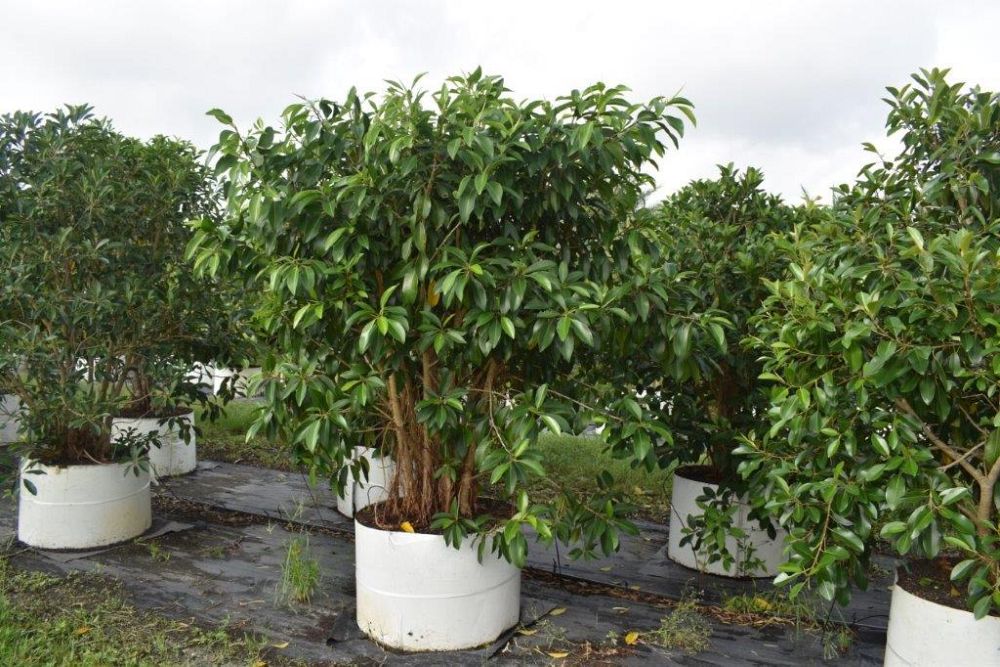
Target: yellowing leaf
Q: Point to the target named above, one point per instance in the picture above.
(558, 654)
(82, 630)
(432, 294)
(632, 638)
(259, 663)
(558, 611)
(761, 604)
(526, 631)
(406, 527)
(280, 645)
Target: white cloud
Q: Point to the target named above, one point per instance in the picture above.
(791, 86)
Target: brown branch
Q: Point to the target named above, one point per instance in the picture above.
(937, 442)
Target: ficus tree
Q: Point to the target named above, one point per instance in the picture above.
(715, 236)
(883, 345)
(431, 267)
(93, 299)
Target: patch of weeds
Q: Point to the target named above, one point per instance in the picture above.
(684, 629)
(771, 603)
(216, 552)
(836, 642)
(300, 572)
(158, 553)
(85, 621)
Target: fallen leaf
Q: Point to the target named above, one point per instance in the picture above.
(558, 611)
(280, 645)
(635, 587)
(632, 638)
(406, 527)
(526, 631)
(82, 630)
(620, 610)
(606, 568)
(954, 592)
(558, 654)
(259, 663)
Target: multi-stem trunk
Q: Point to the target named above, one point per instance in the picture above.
(418, 492)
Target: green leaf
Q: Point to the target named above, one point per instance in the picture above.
(682, 340)
(551, 424)
(220, 116)
(495, 191)
(365, 338)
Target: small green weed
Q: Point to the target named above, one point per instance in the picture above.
(300, 572)
(684, 629)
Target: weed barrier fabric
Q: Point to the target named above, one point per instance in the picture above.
(641, 565)
(228, 573)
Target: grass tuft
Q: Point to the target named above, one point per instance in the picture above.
(300, 572)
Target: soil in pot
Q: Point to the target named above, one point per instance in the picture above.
(382, 517)
(931, 580)
(138, 412)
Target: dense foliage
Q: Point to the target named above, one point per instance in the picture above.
(883, 341)
(98, 311)
(717, 235)
(432, 266)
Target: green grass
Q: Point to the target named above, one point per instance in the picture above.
(575, 462)
(570, 461)
(85, 621)
(225, 439)
(299, 573)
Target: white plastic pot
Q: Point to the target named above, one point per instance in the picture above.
(219, 375)
(416, 593)
(83, 506)
(173, 456)
(683, 503)
(359, 494)
(9, 422)
(922, 632)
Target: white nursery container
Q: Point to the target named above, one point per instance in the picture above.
(683, 504)
(416, 593)
(219, 375)
(9, 408)
(83, 506)
(173, 456)
(360, 494)
(925, 633)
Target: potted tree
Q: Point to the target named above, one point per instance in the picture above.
(64, 178)
(715, 239)
(430, 265)
(175, 320)
(73, 210)
(883, 343)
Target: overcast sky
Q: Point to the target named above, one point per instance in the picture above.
(793, 87)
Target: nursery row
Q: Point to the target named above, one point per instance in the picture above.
(429, 281)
